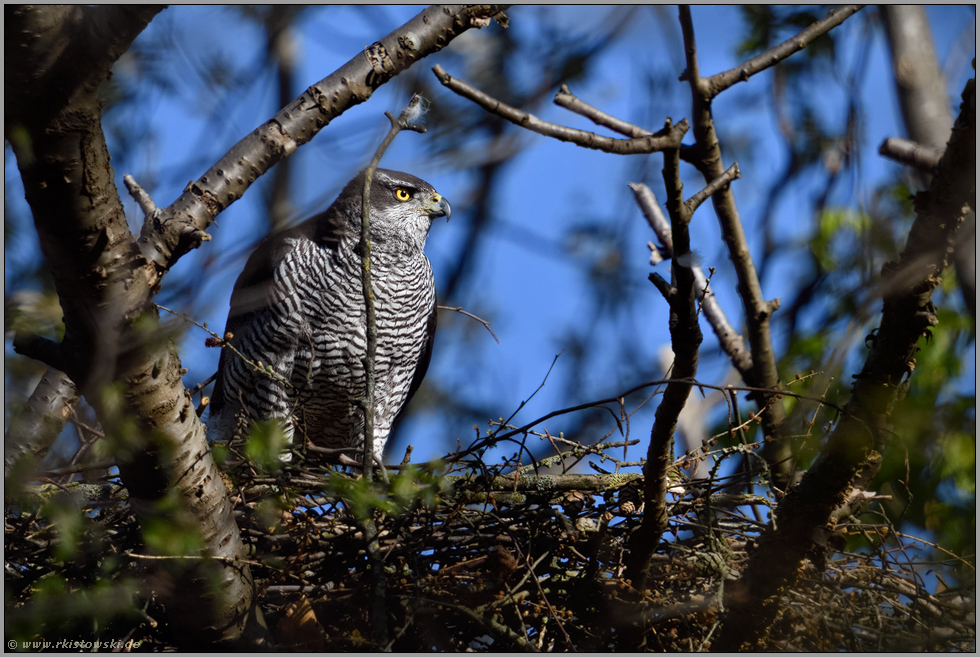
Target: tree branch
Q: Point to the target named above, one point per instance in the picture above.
(669, 137)
(730, 174)
(485, 323)
(922, 97)
(379, 620)
(757, 309)
(403, 122)
(685, 339)
(40, 348)
(35, 428)
(728, 338)
(69, 49)
(714, 85)
(907, 315)
(910, 154)
(101, 280)
(180, 227)
(565, 98)
(919, 80)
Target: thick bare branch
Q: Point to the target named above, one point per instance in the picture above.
(907, 315)
(69, 49)
(669, 137)
(40, 348)
(919, 79)
(922, 97)
(35, 428)
(181, 226)
(101, 282)
(910, 154)
(714, 85)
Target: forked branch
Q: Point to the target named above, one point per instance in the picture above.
(669, 137)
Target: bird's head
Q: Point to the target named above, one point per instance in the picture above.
(402, 208)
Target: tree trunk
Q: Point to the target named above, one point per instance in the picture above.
(113, 348)
(921, 89)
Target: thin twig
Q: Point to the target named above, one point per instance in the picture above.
(482, 443)
(197, 557)
(669, 137)
(730, 174)
(568, 100)
(264, 368)
(75, 469)
(485, 323)
(403, 122)
(369, 527)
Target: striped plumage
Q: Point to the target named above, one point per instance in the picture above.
(298, 307)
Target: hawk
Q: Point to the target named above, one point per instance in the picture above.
(298, 319)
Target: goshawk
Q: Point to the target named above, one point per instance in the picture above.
(298, 319)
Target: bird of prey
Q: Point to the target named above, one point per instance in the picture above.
(298, 320)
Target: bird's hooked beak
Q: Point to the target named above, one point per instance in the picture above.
(439, 207)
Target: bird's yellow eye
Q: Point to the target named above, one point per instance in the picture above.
(402, 194)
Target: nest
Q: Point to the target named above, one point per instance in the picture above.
(501, 557)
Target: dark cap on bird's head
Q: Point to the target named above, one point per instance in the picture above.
(402, 206)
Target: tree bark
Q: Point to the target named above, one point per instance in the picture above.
(918, 78)
(113, 349)
(39, 423)
(921, 90)
(861, 434)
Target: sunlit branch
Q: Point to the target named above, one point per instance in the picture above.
(568, 100)
(910, 153)
(179, 227)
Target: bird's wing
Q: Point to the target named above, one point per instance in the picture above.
(251, 311)
(426, 356)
